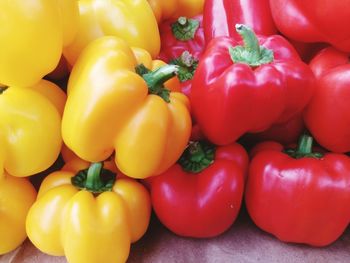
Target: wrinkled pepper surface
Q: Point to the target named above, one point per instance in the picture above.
(328, 113)
(298, 195)
(247, 88)
(111, 107)
(314, 21)
(204, 190)
(164, 10)
(221, 16)
(33, 34)
(131, 20)
(30, 128)
(88, 216)
(16, 197)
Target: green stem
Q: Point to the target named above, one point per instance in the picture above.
(155, 79)
(187, 66)
(184, 29)
(91, 179)
(250, 41)
(197, 156)
(251, 52)
(304, 149)
(305, 144)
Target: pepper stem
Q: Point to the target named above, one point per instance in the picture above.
(251, 52)
(187, 66)
(90, 179)
(197, 156)
(155, 79)
(304, 149)
(184, 29)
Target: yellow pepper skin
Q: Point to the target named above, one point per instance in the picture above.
(131, 20)
(109, 108)
(52, 92)
(29, 129)
(32, 38)
(175, 8)
(16, 197)
(87, 227)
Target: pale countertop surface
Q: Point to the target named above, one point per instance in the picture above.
(243, 242)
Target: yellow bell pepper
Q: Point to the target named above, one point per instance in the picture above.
(131, 20)
(111, 107)
(30, 128)
(175, 8)
(86, 218)
(32, 36)
(16, 197)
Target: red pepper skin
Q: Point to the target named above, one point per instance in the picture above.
(307, 51)
(220, 17)
(229, 99)
(314, 21)
(328, 114)
(299, 200)
(285, 133)
(203, 204)
(172, 47)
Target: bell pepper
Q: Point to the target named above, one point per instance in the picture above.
(131, 20)
(53, 93)
(204, 190)
(111, 107)
(88, 216)
(16, 197)
(284, 133)
(220, 16)
(32, 37)
(30, 127)
(247, 88)
(182, 44)
(328, 113)
(164, 10)
(314, 21)
(298, 195)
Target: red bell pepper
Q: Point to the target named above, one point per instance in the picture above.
(285, 133)
(314, 20)
(300, 196)
(238, 89)
(328, 114)
(182, 44)
(201, 195)
(220, 16)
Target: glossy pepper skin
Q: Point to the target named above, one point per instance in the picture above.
(109, 108)
(302, 198)
(164, 10)
(182, 45)
(285, 133)
(95, 224)
(220, 16)
(16, 197)
(204, 190)
(131, 20)
(314, 21)
(33, 34)
(327, 115)
(232, 95)
(30, 125)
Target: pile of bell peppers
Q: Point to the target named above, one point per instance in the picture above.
(187, 108)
